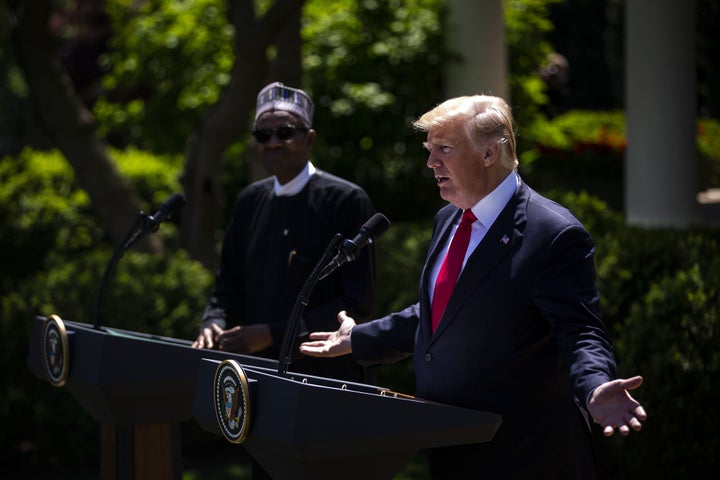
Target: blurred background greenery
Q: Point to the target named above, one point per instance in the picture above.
(152, 77)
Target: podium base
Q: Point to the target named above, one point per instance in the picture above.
(142, 452)
(375, 467)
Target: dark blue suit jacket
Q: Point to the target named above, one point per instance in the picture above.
(522, 336)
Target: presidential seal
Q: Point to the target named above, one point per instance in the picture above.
(54, 350)
(232, 401)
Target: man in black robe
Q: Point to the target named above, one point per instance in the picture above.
(279, 229)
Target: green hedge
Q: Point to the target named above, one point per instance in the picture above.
(662, 292)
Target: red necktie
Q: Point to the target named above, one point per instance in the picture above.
(451, 266)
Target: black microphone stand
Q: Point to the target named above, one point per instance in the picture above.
(141, 226)
(291, 330)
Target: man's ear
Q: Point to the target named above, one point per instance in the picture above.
(311, 138)
(491, 153)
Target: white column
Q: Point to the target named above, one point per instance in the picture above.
(661, 164)
(476, 32)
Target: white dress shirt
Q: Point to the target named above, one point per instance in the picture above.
(486, 211)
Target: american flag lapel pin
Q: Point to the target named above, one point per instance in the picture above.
(505, 239)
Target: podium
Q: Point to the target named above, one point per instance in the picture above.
(305, 427)
(139, 386)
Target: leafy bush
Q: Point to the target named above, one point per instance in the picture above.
(527, 26)
(154, 177)
(42, 209)
(708, 134)
(660, 297)
(167, 64)
(665, 307)
(400, 257)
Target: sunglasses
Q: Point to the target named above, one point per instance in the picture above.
(283, 133)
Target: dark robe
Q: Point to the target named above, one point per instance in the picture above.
(270, 248)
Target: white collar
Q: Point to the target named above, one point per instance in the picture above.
(296, 184)
(488, 209)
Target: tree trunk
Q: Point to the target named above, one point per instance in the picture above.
(287, 66)
(70, 125)
(227, 120)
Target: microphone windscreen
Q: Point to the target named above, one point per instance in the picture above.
(377, 225)
(175, 202)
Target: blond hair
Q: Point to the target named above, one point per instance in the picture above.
(484, 118)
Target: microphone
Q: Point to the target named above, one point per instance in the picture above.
(350, 249)
(142, 225)
(174, 203)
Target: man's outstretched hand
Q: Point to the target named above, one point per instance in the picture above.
(613, 407)
(331, 344)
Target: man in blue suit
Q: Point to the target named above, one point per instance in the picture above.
(519, 332)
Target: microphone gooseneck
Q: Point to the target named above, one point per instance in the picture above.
(347, 251)
(142, 225)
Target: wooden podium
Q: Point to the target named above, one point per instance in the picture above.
(140, 386)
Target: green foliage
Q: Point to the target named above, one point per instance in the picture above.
(578, 130)
(661, 301)
(168, 62)
(153, 176)
(38, 190)
(400, 257)
(708, 135)
(574, 142)
(597, 217)
(581, 138)
(628, 261)
(667, 330)
(527, 25)
(167, 292)
(44, 210)
(372, 68)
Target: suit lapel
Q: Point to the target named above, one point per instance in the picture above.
(502, 238)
